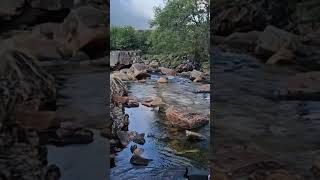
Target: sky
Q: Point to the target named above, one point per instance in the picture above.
(136, 13)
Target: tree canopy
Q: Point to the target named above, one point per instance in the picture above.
(179, 31)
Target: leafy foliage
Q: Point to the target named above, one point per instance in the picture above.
(180, 31)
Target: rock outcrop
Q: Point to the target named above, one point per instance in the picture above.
(123, 59)
(22, 156)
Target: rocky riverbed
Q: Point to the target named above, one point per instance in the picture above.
(170, 114)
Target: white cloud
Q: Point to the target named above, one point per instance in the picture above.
(142, 7)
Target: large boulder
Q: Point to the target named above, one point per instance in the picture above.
(272, 39)
(41, 48)
(120, 59)
(185, 118)
(85, 29)
(242, 40)
(139, 71)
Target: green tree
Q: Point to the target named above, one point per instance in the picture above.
(181, 29)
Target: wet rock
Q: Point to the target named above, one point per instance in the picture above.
(303, 86)
(37, 119)
(137, 138)
(185, 118)
(106, 132)
(194, 136)
(121, 75)
(153, 102)
(136, 151)
(120, 99)
(185, 74)
(53, 173)
(184, 67)
(167, 71)
(139, 71)
(196, 75)
(205, 88)
(163, 80)
(139, 161)
(124, 138)
(71, 134)
(132, 103)
(196, 174)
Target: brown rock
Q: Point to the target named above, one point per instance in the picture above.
(153, 102)
(37, 119)
(185, 118)
(154, 64)
(138, 71)
(163, 80)
(284, 55)
(167, 71)
(272, 39)
(85, 28)
(205, 88)
(184, 67)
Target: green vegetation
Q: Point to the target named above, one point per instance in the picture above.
(180, 31)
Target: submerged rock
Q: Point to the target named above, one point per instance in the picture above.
(135, 150)
(163, 80)
(53, 173)
(139, 161)
(66, 136)
(194, 136)
(185, 118)
(205, 88)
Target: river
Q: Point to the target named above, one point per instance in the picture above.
(167, 146)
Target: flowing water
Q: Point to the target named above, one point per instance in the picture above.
(250, 114)
(167, 146)
(81, 99)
